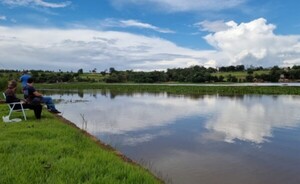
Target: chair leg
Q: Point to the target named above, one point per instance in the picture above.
(11, 110)
(23, 112)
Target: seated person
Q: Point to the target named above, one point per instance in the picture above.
(10, 94)
(34, 97)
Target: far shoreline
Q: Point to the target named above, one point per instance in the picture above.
(184, 88)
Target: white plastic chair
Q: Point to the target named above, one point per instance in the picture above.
(11, 108)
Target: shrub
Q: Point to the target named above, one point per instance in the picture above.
(3, 84)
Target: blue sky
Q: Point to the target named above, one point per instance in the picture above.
(147, 34)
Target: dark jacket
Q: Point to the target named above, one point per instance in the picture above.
(11, 96)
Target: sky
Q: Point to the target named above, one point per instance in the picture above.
(147, 35)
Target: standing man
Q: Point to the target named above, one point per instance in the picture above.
(34, 97)
(25, 76)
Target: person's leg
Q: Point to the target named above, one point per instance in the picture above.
(25, 92)
(37, 111)
(50, 105)
(48, 101)
(36, 108)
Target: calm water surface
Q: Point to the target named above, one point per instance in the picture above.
(247, 139)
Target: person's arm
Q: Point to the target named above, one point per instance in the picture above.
(37, 93)
(32, 91)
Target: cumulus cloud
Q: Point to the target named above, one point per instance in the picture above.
(183, 5)
(40, 3)
(254, 43)
(133, 23)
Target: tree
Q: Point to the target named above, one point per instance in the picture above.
(80, 71)
(112, 70)
(103, 72)
(275, 74)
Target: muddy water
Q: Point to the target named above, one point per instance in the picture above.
(213, 139)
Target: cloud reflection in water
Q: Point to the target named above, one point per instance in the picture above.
(253, 118)
(246, 118)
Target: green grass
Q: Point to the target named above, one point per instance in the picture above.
(240, 75)
(50, 151)
(94, 76)
(179, 89)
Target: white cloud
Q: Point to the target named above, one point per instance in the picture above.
(183, 5)
(2, 17)
(252, 43)
(214, 26)
(52, 5)
(80, 48)
(291, 62)
(41, 3)
(133, 23)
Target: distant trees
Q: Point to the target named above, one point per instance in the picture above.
(231, 68)
(80, 71)
(231, 78)
(53, 77)
(193, 74)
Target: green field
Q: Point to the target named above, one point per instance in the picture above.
(240, 75)
(95, 76)
(50, 151)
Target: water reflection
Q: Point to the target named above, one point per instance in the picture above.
(193, 139)
(253, 118)
(246, 118)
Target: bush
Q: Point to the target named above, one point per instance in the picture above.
(3, 84)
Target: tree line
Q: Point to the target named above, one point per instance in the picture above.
(200, 74)
(193, 74)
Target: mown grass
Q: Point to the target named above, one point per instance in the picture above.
(240, 74)
(49, 151)
(178, 89)
(94, 76)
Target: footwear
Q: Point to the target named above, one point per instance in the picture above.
(55, 111)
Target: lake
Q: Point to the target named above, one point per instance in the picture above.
(210, 139)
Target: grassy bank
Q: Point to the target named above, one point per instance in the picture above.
(183, 89)
(50, 151)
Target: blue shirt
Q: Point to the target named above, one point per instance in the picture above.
(24, 79)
